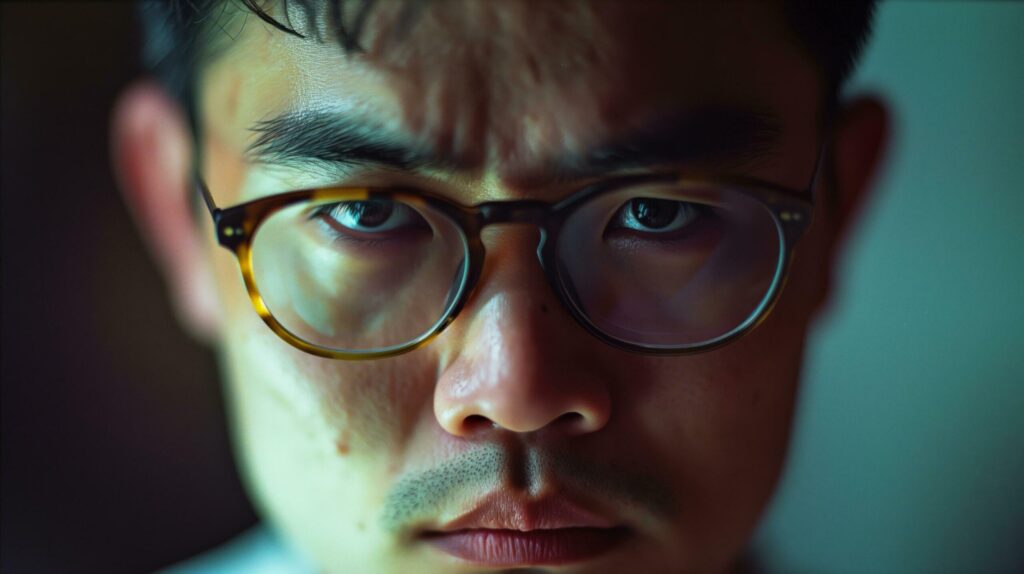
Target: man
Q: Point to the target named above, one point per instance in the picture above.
(514, 285)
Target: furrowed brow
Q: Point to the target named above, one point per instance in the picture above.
(715, 136)
(319, 138)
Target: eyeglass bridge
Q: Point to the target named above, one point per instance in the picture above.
(524, 211)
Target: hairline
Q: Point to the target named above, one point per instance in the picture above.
(209, 45)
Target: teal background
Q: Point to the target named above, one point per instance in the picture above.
(908, 453)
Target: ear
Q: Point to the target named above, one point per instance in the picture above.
(151, 151)
(860, 139)
(859, 144)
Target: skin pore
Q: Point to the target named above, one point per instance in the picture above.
(353, 461)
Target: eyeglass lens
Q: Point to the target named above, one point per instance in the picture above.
(658, 265)
(661, 266)
(358, 275)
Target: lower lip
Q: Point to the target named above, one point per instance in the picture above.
(529, 548)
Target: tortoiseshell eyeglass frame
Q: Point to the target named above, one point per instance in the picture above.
(790, 208)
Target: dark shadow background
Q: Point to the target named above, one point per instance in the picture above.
(115, 456)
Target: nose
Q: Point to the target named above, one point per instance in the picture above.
(519, 363)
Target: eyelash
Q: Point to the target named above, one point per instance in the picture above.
(702, 216)
(324, 216)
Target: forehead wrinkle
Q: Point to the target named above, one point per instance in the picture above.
(474, 78)
(530, 105)
(519, 141)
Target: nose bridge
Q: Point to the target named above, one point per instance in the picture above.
(508, 365)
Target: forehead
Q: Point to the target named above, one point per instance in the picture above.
(507, 83)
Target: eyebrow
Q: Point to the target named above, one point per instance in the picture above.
(721, 136)
(296, 139)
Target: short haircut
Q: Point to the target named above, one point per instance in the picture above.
(177, 34)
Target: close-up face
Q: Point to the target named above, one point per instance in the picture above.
(517, 436)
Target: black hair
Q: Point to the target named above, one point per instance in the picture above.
(177, 34)
(834, 33)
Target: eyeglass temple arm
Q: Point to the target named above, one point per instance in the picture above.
(204, 192)
(826, 136)
(817, 169)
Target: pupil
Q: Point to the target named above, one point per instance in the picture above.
(371, 213)
(655, 213)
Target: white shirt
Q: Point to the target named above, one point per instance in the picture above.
(255, 551)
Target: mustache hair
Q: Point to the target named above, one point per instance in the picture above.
(424, 495)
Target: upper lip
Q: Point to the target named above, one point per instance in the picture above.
(507, 511)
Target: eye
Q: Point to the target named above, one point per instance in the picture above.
(371, 220)
(652, 215)
(370, 216)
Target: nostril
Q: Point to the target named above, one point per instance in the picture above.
(476, 423)
(480, 425)
(572, 422)
(570, 419)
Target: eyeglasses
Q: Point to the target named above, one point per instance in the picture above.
(652, 264)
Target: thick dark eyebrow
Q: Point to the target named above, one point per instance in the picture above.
(711, 136)
(329, 139)
(311, 138)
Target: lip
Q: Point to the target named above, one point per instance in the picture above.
(506, 530)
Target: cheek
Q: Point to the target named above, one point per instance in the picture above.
(720, 421)
(727, 412)
(339, 408)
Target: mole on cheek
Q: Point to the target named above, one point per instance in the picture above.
(344, 443)
(356, 406)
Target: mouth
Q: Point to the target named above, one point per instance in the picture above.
(505, 530)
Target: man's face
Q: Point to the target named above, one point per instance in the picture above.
(515, 418)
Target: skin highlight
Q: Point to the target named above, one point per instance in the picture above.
(351, 459)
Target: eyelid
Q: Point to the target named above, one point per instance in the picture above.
(285, 180)
(410, 218)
